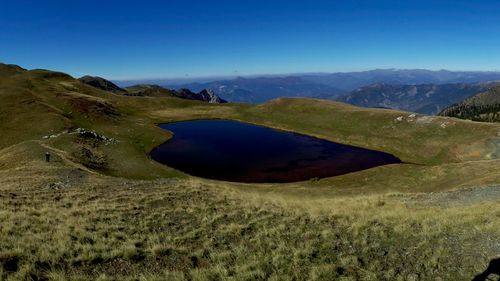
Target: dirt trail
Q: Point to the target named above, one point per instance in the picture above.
(64, 156)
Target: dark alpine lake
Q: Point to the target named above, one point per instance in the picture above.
(241, 152)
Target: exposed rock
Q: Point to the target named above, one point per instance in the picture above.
(425, 120)
(92, 157)
(210, 96)
(205, 95)
(57, 185)
(186, 94)
(147, 90)
(83, 133)
(158, 91)
(263, 89)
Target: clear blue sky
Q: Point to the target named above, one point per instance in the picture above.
(156, 39)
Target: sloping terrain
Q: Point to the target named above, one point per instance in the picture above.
(481, 107)
(101, 83)
(423, 98)
(149, 91)
(100, 209)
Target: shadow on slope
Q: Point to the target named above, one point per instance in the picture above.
(493, 268)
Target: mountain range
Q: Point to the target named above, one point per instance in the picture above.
(352, 80)
(262, 89)
(424, 98)
(322, 85)
(479, 101)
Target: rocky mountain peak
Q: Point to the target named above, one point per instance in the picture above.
(210, 96)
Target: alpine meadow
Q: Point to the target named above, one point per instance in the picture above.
(235, 140)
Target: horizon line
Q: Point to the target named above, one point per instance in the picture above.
(255, 75)
(285, 74)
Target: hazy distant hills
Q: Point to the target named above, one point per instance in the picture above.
(352, 80)
(480, 107)
(423, 98)
(426, 98)
(330, 85)
(261, 89)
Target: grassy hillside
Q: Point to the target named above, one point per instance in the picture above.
(102, 210)
(149, 90)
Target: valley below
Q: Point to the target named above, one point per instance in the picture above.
(102, 209)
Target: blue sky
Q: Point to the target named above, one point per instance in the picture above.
(161, 39)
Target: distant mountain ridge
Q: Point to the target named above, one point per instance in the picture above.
(425, 98)
(146, 90)
(352, 80)
(325, 85)
(258, 90)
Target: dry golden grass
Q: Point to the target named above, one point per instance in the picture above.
(132, 219)
(60, 222)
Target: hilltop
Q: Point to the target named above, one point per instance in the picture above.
(101, 209)
(10, 69)
(149, 91)
(101, 83)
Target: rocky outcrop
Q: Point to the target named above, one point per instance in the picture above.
(146, 90)
(204, 95)
(210, 97)
(186, 94)
(158, 91)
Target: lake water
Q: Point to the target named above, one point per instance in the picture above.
(240, 152)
